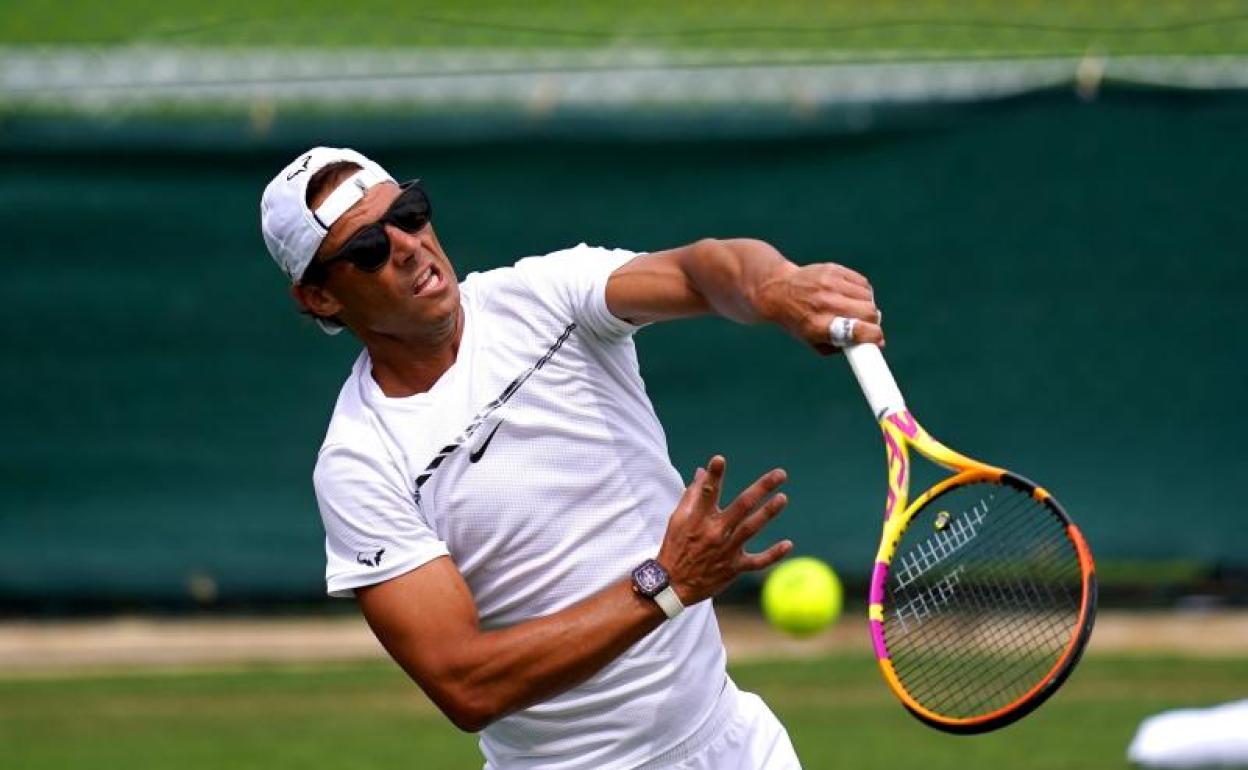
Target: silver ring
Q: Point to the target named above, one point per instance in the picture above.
(841, 330)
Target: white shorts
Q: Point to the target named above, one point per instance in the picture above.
(743, 736)
(741, 733)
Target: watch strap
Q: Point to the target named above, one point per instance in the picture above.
(669, 602)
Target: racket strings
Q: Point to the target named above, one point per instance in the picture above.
(973, 681)
(942, 674)
(932, 650)
(942, 670)
(981, 610)
(946, 672)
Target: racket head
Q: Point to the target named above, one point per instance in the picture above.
(982, 600)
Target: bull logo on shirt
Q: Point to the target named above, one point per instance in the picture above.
(373, 560)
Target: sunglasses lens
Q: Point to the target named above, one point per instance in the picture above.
(368, 250)
(411, 210)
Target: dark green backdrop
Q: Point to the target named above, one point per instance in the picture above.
(1063, 284)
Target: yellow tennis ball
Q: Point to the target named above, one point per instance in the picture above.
(802, 596)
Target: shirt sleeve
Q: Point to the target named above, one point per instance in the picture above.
(574, 281)
(374, 531)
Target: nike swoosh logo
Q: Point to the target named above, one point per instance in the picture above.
(299, 170)
(479, 452)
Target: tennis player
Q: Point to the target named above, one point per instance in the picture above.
(495, 486)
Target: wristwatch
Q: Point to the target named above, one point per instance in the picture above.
(651, 581)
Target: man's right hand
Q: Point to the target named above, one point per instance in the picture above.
(704, 547)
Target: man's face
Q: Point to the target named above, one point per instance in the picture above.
(414, 292)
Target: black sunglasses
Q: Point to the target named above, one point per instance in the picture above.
(369, 248)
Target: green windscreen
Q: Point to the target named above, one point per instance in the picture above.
(1062, 283)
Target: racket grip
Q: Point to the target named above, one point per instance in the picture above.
(875, 379)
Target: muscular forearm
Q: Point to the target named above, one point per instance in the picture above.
(733, 276)
(534, 661)
(747, 281)
(493, 673)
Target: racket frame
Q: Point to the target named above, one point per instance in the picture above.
(902, 431)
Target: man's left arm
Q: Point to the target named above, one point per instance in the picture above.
(747, 281)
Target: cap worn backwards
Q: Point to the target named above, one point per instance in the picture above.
(292, 231)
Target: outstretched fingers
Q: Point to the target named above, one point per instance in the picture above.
(703, 548)
(752, 562)
(690, 495)
(711, 484)
(749, 499)
(753, 524)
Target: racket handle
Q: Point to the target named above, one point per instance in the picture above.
(875, 379)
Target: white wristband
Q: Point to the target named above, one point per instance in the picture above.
(669, 602)
(841, 331)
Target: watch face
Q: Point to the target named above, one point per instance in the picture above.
(650, 577)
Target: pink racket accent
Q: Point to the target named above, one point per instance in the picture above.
(905, 422)
(877, 640)
(897, 473)
(895, 456)
(879, 578)
(894, 451)
(889, 502)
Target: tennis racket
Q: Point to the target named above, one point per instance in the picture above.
(983, 592)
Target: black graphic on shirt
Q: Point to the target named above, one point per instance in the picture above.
(489, 409)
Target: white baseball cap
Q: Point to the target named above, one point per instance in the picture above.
(292, 231)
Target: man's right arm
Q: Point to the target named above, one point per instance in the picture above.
(427, 620)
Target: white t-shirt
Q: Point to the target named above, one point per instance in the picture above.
(538, 464)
